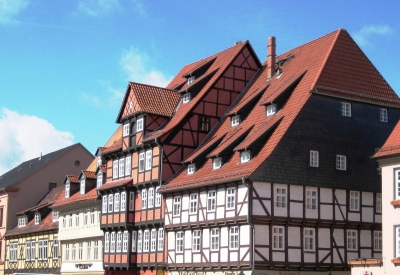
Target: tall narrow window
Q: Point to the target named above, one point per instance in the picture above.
(67, 190)
(82, 187)
(346, 109)
(139, 240)
(211, 200)
(28, 251)
(37, 218)
(33, 250)
(204, 124)
(379, 202)
(397, 240)
(125, 242)
(151, 198)
(354, 200)
(397, 184)
(158, 197)
(126, 130)
(99, 180)
(77, 219)
(66, 255)
(92, 216)
(128, 165)
(177, 206)
(230, 198)
(160, 239)
(107, 242)
(341, 162)
(141, 162)
(40, 250)
(309, 239)
(234, 237)
(115, 169)
(139, 125)
(146, 241)
(123, 201)
(121, 167)
(383, 115)
(148, 159)
(134, 241)
(70, 220)
(88, 250)
(378, 240)
(153, 243)
(110, 203)
(314, 158)
(280, 197)
(80, 254)
(73, 252)
(96, 250)
(278, 237)
(131, 201)
(55, 249)
(214, 239)
(311, 198)
(144, 199)
(112, 243)
(196, 241)
(193, 203)
(116, 202)
(104, 208)
(352, 239)
(119, 241)
(179, 242)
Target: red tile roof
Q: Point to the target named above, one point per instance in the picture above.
(89, 174)
(73, 179)
(113, 144)
(320, 59)
(116, 183)
(77, 197)
(392, 144)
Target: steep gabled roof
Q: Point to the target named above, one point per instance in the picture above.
(392, 144)
(29, 167)
(320, 62)
(113, 144)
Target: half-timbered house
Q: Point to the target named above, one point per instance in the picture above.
(285, 183)
(160, 128)
(33, 245)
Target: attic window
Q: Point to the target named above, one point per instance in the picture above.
(235, 120)
(37, 218)
(271, 109)
(56, 214)
(67, 190)
(217, 163)
(185, 98)
(99, 161)
(278, 73)
(82, 187)
(244, 156)
(191, 168)
(22, 221)
(190, 79)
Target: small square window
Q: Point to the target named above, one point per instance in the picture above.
(346, 109)
(139, 125)
(126, 130)
(244, 156)
(191, 79)
(383, 115)
(191, 168)
(185, 97)
(341, 163)
(314, 158)
(271, 109)
(235, 120)
(216, 163)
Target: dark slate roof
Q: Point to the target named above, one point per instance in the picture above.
(29, 167)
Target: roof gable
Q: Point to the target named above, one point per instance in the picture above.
(392, 144)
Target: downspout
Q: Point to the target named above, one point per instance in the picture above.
(249, 209)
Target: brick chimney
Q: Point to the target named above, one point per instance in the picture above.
(271, 57)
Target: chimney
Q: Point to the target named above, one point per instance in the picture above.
(271, 57)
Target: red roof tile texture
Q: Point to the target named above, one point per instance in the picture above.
(73, 179)
(116, 184)
(392, 144)
(77, 197)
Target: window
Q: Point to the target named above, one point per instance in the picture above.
(88, 250)
(82, 187)
(112, 243)
(148, 159)
(37, 218)
(354, 200)
(160, 239)
(92, 216)
(346, 109)
(99, 161)
(115, 169)
(196, 240)
(397, 244)
(244, 156)
(119, 241)
(179, 242)
(378, 240)
(397, 184)
(204, 124)
(99, 180)
(153, 244)
(191, 168)
(123, 201)
(128, 165)
(110, 203)
(314, 158)
(230, 198)
(309, 239)
(383, 115)
(185, 98)
(22, 220)
(214, 239)
(121, 167)
(144, 199)
(177, 206)
(235, 120)
(146, 241)
(1, 216)
(27, 252)
(151, 198)
(139, 125)
(271, 109)
(125, 242)
(158, 197)
(70, 220)
(193, 203)
(340, 162)
(311, 198)
(141, 162)
(139, 241)
(351, 239)
(86, 216)
(234, 237)
(80, 251)
(131, 201)
(55, 249)
(104, 209)
(378, 202)
(73, 252)
(77, 219)
(280, 197)
(13, 252)
(190, 79)
(126, 130)
(216, 163)
(33, 250)
(278, 234)
(211, 200)
(116, 202)
(96, 250)
(67, 190)
(64, 222)
(134, 240)
(66, 256)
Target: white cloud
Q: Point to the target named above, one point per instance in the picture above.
(137, 68)
(23, 137)
(98, 7)
(363, 36)
(11, 8)
(111, 98)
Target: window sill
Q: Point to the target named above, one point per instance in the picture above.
(395, 202)
(396, 261)
(366, 262)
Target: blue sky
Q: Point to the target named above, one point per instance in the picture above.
(65, 65)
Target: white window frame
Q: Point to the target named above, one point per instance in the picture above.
(196, 240)
(193, 203)
(346, 109)
(176, 206)
(311, 198)
(99, 180)
(216, 163)
(211, 200)
(179, 242)
(107, 242)
(88, 250)
(383, 115)
(92, 216)
(234, 238)
(354, 201)
(126, 130)
(352, 240)
(191, 168)
(128, 165)
(116, 202)
(96, 250)
(119, 241)
(271, 109)
(378, 240)
(22, 221)
(186, 98)
(150, 200)
(123, 201)
(397, 241)
(230, 198)
(141, 162)
(105, 204)
(112, 242)
(121, 167)
(33, 250)
(160, 246)
(125, 240)
(341, 162)
(314, 158)
(67, 190)
(309, 239)
(146, 240)
(37, 218)
(66, 255)
(82, 189)
(115, 169)
(13, 252)
(281, 196)
(397, 184)
(153, 240)
(27, 251)
(245, 156)
(149, 160)
(214, 239)
(77, 219)
(278, 238)
(131, 201)
(158, 197)
(235, 120)
(139, 125)
(378, 202)
(190, 79)
(110, 203)
(99, 161)
(56, 244)
(134, 241)
(139, 241)
(144, 199)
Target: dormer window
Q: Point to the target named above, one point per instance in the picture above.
(139, 125)
(216, 163)
(56, 214)
(244, 156)
(235, 120)
(37, 218)
(278, 73)
(271, 109)
(185, 98)
(22, 221)
(99, 180)
(190, 79)
(126, 130)
(67, 190)
(191, 168)
(99, 161)
(82, 187)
